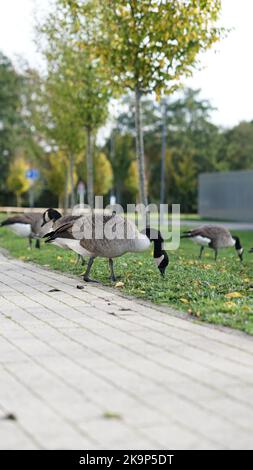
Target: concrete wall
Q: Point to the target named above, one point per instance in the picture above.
(226, 196)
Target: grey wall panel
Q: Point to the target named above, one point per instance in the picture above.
(226, 196)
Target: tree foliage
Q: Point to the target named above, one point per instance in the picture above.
(10, 85)
(150, 45)
(103, 174)
(238, 147)
(77, 84)
(17, 181)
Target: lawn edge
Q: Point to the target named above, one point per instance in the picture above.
(167, 310)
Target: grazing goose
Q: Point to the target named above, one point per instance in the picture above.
(117, 236)
(27, 225)
(215, 237)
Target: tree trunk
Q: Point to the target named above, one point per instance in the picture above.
(60, 202)
(140, 148)
(163, 157)
(118, 192)
(90, 170)
(19, 200)
(72, 183)
(66, 191)
(164, 137)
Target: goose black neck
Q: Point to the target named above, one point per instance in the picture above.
(54, 214)
(155, 236)
(238, 245)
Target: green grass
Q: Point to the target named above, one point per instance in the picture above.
(220, 293)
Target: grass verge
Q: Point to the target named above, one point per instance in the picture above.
(220, 293)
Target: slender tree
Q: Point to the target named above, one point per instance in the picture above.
(79, 76)
(150, 45)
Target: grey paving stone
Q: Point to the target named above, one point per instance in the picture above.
(94, 369)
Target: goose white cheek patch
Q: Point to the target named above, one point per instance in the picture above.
(158, 260)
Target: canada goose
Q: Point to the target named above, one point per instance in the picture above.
(215, 237)
(56, 220)
(27, 225)
(126, 238)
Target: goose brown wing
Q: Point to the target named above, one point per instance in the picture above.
(209, 231)
(66, 219)
(16, 219)
(64, 231)
(198, 232)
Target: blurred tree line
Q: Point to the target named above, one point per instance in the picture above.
(29, 138)
(194, 145)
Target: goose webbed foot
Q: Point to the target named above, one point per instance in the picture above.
(88, 279)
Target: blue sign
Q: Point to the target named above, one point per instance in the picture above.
(32, 174)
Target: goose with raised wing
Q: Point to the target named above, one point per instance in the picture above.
(108, 236)
(56, 220)
(214, 237)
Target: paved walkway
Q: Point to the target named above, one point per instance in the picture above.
(90, 369)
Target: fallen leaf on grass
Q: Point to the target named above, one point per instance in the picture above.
(119, 284)
(233, 295)
(230, 304)
(184, 301)
(246, 308)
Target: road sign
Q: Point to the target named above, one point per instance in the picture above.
(32, 174)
